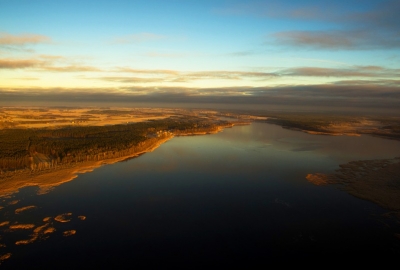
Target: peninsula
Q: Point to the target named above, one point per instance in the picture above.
(46, 147)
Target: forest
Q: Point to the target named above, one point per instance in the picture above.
(38, 149)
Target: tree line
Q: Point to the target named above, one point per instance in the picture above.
(46, 148)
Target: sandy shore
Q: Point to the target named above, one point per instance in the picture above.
(219, 129)
(48, 179)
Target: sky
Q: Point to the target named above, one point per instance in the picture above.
(234, 53)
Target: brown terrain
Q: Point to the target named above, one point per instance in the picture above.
(34, 117)
(338, 125)
(374, 180)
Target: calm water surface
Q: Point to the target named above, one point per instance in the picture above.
(239, 195)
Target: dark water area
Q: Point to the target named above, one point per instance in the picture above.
(239, 196)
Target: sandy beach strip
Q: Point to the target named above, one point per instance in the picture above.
(48, 179)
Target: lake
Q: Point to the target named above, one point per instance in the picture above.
(237, 196)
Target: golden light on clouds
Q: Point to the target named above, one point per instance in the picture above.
(23, 39)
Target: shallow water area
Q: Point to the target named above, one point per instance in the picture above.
(239, 195)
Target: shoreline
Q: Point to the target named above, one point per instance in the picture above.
(46, 180)
(330, 133)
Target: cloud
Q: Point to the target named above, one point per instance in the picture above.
(312, 10)
(356, 71)
(358, 39)
(342, 26)
(51, 57)
(317, 39)
(382, 82)
(24, 39)
(71, 68)
(372, 73)
(228, 75)
(139, 38)
(131, 79)
(45, 63)
(180, 76)
(154, 76)
(147, 71)
(19, 63)
(384, 16)
(359, 95)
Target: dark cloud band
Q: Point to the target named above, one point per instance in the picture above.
(356, 96)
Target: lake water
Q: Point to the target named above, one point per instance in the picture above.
(237, 196)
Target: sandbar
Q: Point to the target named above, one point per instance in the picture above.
(22, 226)
(19, 210)
(69, 232)
(66, 217)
